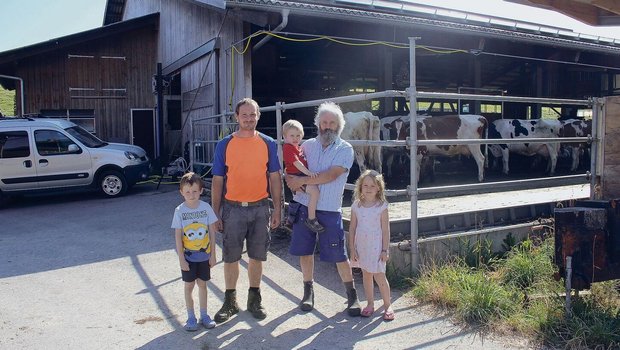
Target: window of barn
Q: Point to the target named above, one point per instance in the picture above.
(82, 117)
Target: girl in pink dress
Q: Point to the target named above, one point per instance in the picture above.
(370, 238)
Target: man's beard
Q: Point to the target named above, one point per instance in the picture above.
(328, 136)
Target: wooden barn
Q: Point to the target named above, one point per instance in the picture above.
(211, 53)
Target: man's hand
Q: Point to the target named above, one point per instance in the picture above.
(275, 217)
(294, 182)
(219, 224)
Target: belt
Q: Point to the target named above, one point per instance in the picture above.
(248, 204)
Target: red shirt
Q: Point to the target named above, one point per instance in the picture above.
(291, 153)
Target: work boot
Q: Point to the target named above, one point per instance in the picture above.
(229, 308)
(353, 306)
(307, 302)
(254, 304)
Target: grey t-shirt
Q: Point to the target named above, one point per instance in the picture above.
(195, 226)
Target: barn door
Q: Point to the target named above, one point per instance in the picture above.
(143, 130)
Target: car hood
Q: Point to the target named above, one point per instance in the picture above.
(126, 147)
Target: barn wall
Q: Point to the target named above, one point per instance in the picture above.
(184, 27)
(611, 149)
(57, 79)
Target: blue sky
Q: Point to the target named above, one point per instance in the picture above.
(26, 22)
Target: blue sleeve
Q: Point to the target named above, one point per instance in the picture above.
(273, 164)
(219, 163)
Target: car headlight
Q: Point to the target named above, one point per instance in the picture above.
(131, 155)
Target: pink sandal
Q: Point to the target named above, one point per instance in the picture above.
(388, 315)
(367, 311)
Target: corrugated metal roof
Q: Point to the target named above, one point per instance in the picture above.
(407, 14)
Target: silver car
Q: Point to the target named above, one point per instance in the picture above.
(41, 154)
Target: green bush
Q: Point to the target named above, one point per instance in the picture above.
(527, 265)
(481, 299)
(7, 102)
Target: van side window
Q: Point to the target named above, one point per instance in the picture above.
(14, 144)
(51, 142)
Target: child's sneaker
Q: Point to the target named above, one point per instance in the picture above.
(191, 325)
(314, 225)
(207, 322)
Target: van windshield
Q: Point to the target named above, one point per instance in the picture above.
(85, 137)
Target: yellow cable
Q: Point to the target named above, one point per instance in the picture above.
(323, 37)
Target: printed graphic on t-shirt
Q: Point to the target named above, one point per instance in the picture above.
(196, 237)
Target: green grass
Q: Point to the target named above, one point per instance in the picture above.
(7, 102)
(518, 295)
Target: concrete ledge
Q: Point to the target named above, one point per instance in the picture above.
(441, 248)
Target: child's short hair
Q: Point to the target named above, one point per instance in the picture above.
(190, 179)
(377, 178)
(292, 124)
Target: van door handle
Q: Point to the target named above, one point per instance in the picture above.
(43, 162)
(27, 163)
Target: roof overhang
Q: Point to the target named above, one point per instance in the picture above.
(78, 38)
(592, 12)
(485, 26)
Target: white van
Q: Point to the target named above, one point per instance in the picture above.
(45, 154)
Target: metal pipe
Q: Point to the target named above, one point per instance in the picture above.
(413, 141)
(21, 89)
(498, 184)
(567, 279)
(455, 96)
(596, 124)
(280, 26)
(341, 99)
(280, 156)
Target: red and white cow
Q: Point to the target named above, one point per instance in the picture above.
(447, 127)
(363, 126)
(524, 129)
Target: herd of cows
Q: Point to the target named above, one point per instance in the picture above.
(366, 126)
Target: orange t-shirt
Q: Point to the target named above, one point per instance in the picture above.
(246, 159)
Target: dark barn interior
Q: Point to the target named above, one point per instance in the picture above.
(448, 59)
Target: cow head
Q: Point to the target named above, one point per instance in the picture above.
(399, 130)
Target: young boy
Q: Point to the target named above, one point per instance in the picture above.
(295, 164)
(194, 231)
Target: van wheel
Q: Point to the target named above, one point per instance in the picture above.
(112, 183)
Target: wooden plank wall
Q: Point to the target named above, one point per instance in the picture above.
(185, 26)
(611, 149)
(48, 78)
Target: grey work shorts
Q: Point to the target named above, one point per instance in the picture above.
(249, 224)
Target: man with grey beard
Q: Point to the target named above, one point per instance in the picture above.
(330, 157)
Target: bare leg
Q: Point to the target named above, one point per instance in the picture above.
(369, 289)
(189, 301)
(231, 274)
(307, 267)
(255, 272)
(313, 191)
(384, 288)
(344, 270)
(202, 294)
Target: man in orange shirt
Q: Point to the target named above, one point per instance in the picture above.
(245, 169)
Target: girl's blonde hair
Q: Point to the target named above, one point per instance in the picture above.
(292, 124)
(377, 178)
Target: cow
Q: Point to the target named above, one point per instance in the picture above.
(441, 127)
(394, 128)
(575, 128)
(524, 129)
(363, 126)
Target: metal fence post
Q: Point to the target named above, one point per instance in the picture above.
(413, 151)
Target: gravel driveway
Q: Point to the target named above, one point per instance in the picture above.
(83, 272)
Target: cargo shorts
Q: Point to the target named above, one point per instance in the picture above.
(249, 224)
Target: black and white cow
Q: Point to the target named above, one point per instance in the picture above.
(524, 129)
(575, 128)
(441, 128)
